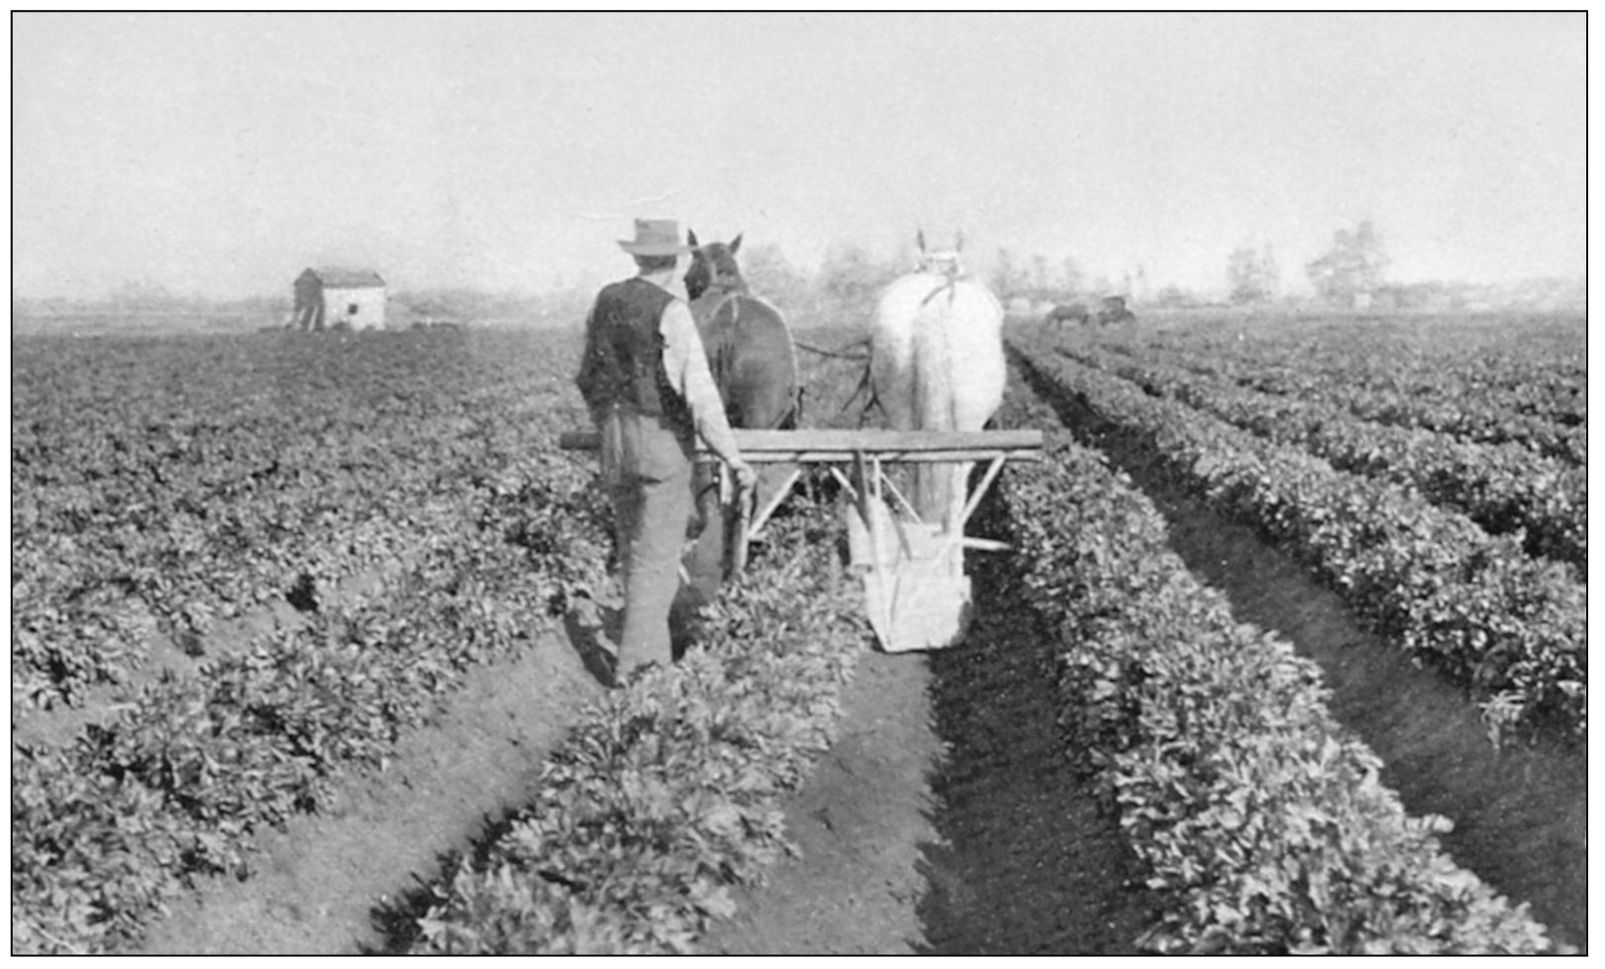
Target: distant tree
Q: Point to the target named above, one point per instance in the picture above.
(1070, 277)
(1172, 295)
(1008, 276)
(772, 276)
(1041, 281)
(907, 255)
(1251, 275)
(1352, 269)
(144, 295)
(850, 276)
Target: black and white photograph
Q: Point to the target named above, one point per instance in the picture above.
(740, 483)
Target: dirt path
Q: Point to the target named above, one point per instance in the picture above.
(946, 819)
(323, 879)
(859, 822)
(1027, 862)
(1520, 813)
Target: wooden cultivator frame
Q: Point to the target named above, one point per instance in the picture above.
(916, 594)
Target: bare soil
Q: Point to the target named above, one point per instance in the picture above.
(858, 822)
(327, 882)
(946, 818)
(1028, 861)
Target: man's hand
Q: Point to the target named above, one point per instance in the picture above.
(746, 478)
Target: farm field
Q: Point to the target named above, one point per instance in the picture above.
(266, 586)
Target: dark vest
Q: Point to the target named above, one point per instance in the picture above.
(623, 362)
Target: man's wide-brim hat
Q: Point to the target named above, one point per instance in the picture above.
(655, 237)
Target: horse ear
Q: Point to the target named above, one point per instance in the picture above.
(735, 243)
(919, 238)
(691, 237)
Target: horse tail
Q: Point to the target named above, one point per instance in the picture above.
(934, 409)
(727, 351)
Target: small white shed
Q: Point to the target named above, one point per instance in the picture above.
(336, 297)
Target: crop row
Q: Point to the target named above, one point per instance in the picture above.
(163, 483)
(1476, 607)
(1261, 824)
(1500, 487)
(1531, 367)
(1475, 418)
(108, 828)
(1517, 407)
(666, 795)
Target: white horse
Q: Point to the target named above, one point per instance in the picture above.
(936, 363)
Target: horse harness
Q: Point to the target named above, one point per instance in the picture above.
(953, 272)
(726, 295)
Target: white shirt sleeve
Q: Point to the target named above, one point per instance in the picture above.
(686, 364)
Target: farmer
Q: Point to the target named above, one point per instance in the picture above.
(645, 380)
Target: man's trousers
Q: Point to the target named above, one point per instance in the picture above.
(648, 471)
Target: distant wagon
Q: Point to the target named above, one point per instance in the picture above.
(338, 299)
(1114, 312)
(1063, 313)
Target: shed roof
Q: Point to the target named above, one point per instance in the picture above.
(345, 278)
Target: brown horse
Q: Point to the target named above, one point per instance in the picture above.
(754, 365)
(1114, 312)
(749, 347)
(1068, 313)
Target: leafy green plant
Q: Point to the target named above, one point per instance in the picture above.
(665, 797)
(1502, 487)
(1261, 822)
(192, 480)
(108, 828)
(1474, 606)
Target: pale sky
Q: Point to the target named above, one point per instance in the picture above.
(220, 154)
